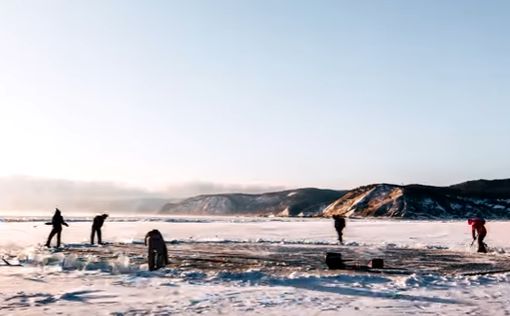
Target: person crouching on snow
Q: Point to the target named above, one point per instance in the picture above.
(158, 254)
(478, 230)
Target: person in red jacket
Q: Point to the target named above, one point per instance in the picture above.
(478, 230)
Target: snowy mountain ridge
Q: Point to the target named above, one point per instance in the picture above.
(486, 198)
(490, 199)
(299, 202)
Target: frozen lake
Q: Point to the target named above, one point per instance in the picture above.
(452, 234)
(50, 283)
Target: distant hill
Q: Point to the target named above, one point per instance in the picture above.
(485, 188)
(490, 199)
(299, 202)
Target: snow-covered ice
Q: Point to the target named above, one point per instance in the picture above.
(53, 283)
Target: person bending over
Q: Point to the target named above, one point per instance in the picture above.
(478, 230)
(96, 228)
(158, 253)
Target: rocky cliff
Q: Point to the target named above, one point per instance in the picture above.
(490, 199)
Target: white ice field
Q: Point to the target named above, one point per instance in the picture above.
(48, 283)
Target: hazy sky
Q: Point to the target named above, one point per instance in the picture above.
(281, 93)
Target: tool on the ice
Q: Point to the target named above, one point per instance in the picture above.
(8, 264)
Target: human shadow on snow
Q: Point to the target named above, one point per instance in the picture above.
(84, 296)
(367, 292)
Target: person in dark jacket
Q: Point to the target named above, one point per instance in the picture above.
(158, 254)
(339, 227)
(96, 228)
(57, 221)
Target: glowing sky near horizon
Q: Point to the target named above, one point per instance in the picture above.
(284, 93)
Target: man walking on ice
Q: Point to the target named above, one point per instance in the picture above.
(339, 227)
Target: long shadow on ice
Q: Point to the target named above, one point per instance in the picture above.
(366, 292)
(23, 299)
(331, 284)
(84, 296)
(35, 280)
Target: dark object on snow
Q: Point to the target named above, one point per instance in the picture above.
(479, 232)
(376, 263)
(339, 227)
(158, 254)
(96, 228)
(334, 260)
(8, 264)
(57, 221)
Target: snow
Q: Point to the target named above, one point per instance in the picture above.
(52, 283)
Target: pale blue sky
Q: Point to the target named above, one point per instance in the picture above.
(281, 93)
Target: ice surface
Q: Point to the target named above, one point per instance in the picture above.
(57, 282)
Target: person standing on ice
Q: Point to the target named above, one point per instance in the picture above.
(57, 221)
(158, 253)
(96, 228)
(478, 231)
(339, 227)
